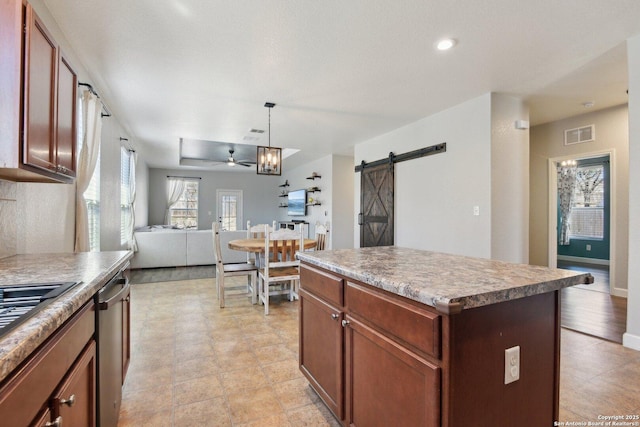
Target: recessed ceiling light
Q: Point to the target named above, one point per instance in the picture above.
(445, 44)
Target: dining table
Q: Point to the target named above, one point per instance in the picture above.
(257, 245)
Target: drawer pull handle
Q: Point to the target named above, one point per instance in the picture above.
(69, 402)
(335, 316)
(56, 423)
(345, 323)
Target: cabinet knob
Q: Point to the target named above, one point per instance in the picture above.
(345, 323)
(69, 402)
(56, 423)
(335, 316)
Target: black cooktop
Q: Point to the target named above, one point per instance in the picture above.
(20, 302)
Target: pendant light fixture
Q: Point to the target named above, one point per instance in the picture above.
(269, 159)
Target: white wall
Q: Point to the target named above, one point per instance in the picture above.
(435, 195)
(45, 218)
(342, 215)
(547, 142)
(509, 180)
(632, 337)
(141, 204)
(297, 178)
(336, 197)
(260, 195)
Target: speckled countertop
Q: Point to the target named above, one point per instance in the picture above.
(94, 269)
(443, 280)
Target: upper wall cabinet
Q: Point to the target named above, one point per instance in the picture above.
(38, 111)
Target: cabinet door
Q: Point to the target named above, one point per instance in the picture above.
(66, 120)
(41, 60)
(75, 399)
(387, 384)
(321, 350)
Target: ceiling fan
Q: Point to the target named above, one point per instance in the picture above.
(232, 162)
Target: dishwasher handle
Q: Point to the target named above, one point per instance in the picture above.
(104, 305)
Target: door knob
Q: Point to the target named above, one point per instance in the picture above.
(345, 323)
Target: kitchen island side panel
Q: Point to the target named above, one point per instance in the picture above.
(475, 390)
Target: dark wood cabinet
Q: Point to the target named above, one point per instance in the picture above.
(386, 384)
(321, 349)
(66, 127)
(376, 358)
(75, 400)
(38, 132)
(63, 366)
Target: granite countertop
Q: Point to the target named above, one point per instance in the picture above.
(94, 269)
(447, 282)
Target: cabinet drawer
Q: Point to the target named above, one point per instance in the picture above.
(27, 392)
(322, 284)
(415, 327)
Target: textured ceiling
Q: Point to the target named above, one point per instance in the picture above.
(340, 72)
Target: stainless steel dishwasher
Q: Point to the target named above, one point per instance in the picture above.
(111, 315)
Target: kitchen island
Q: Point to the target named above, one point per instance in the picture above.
(396, 336)
(50, 355)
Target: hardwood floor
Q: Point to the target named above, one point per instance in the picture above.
(590, 309)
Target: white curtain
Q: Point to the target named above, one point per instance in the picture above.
(175, 187)
(566, 196)
(133, 159)
(92, 108)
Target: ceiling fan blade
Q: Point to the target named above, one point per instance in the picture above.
(245, 164)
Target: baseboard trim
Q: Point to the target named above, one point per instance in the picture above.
(631, 341)
(582, 260)
(619, 292)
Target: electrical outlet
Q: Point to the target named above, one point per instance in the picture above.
(512, 364)
(588, 247)
(476, 210)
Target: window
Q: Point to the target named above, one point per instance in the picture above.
(126, 214)
(587, 214)
(184, 212)
(230, 209)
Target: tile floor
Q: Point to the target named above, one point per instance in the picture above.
(194, 364)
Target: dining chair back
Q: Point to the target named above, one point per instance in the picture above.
(280, 266)
(321, 236)
(257, 232)
(230, 270)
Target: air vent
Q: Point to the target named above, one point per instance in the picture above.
(256, 130)
(579, 135)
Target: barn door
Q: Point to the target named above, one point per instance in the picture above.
(376, 205)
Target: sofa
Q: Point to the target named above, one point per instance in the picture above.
(168, 247)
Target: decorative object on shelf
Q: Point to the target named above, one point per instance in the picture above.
(314, 175)
(313, 190)
(269, 158)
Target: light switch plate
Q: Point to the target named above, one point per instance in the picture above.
(512, 364)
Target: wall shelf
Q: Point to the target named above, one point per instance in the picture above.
(314, 176)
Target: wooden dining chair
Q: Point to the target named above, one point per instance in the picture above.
(280, 266)
(230, 270)
(321, 236)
